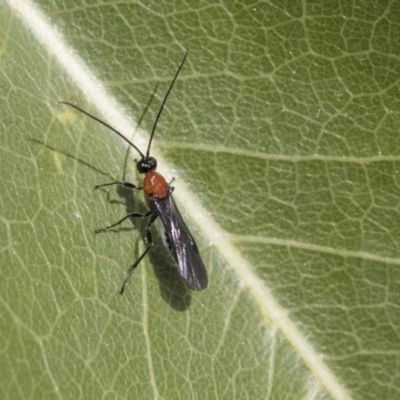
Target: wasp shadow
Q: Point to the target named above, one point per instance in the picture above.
(72, 157)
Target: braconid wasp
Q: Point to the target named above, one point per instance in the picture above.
(159, 200)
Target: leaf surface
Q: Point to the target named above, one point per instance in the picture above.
(282, 136)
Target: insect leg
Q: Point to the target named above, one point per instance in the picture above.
(130, 215)
(150, 243)
(122, 183)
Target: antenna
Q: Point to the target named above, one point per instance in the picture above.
(155, 122)
(103, 123)
(164, 101)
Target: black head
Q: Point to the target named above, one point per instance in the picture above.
(146, 164)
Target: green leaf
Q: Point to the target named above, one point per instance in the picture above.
(282, 136)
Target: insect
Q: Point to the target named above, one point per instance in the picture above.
(161, 204)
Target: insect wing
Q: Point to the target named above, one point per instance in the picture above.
(181, 243)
